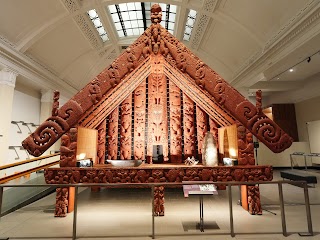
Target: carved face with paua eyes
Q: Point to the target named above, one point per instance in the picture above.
(156, 13)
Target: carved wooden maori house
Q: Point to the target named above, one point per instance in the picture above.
(156, 93)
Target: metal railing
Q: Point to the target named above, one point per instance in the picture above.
(153, 185)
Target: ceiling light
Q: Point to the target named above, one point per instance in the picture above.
(291, 70)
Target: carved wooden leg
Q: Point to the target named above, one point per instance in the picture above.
(159, 201)
(61, 202)
(254, 204)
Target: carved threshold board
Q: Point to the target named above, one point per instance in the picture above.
(116, 96)
(206, 103)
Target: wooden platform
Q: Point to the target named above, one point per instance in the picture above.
(298, 175)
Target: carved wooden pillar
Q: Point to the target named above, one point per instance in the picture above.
(139, 121)
(159, 201)
(125, 129)
(214, 130)
(113, 134)
(68, 148)
(61, 202)
(175, 123)
(101, 153)
(157, 108)
(245, 146)
(202, 123)
(188, 127)
(254, 204)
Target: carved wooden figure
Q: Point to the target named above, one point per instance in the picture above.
(245, 146)
(202, 123)
(68, 149)
(139, 121)
(55, 104)
(175, 123)
(126, 128)
(188, 127)
(101, 153)
(113, 134)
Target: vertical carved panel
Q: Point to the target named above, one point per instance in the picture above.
(175, 123)
(113, 134)
(254, 203)
(188, 127)
(214, 130)
(125, 129)
(245, 146)
(139, 121)
(61, 202)
(202, 124)
(68, 148)
(159, 201)
(157, 107)
(101, 153)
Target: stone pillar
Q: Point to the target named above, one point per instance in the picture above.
(45, 113)
(7, 85)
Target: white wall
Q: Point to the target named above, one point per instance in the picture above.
(25, 108)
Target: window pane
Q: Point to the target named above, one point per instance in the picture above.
(170, 31)
(118, 26)
(125, 16)
(138, 5)
(127, 24)
(170, 25)
(129, 32)
(120, 33)
(140, 23)
(173, 8)
(132, 15)
(123, 7)
(136, 31)
(112, 8)
(115, 17)
(131, 6)
(134, 24)
(139, 15)
(172, 17)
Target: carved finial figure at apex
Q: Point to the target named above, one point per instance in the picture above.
(156, 13)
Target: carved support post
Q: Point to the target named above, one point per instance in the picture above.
(202, 124)
(61, 202)
(157, 107)
(125, 130)
(188, 127)
(101, 153)
(113, 134)
(175, 123)
(214, 130)
(254, 204)
(68, 148)
(245, 146)
(139, 121)
(159, 201)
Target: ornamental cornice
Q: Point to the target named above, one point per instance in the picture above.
(8, 77)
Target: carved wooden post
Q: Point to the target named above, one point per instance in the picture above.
(113, 134)
(254, 204)
(139, 121)
(159, 201)
(68, 148)
(157, 107)
(101, 153)
(175, 123)
(202, 124)
(245, 146)
(125, 129)
(188, 127)
(61, 202)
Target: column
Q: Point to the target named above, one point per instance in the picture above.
(7, 85)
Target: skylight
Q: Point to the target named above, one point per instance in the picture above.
(98, 24)
(189, 24)
(133, 18)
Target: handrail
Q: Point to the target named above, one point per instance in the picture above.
(31, 170)
(152, 185)
(27, 161)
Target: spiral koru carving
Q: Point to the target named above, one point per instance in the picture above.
(262, 127)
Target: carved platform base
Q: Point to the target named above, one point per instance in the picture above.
(158, 173)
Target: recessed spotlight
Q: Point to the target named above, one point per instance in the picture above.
(291, 70)
(278, 78)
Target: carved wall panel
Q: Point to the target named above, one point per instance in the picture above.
(157, 107)
(245, 146)
(101, 153)
(61, 202)
(213, 128)
(175, 123)
(202, 123)
(188, 127)
(139, 121)
(68, 149)
(126, 128)
(113, 134)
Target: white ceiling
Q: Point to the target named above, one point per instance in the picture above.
(52, 44)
